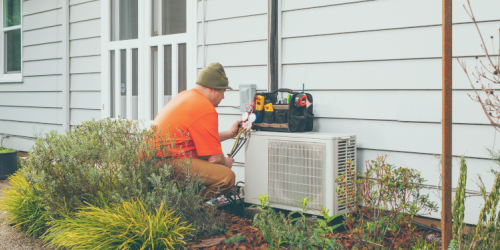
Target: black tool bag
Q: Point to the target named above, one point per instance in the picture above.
(284, 117)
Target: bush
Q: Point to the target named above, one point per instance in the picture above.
(25, 209)
(486, 235)
(112, 161)
(276, 228)
(129, 225)
(280, 230)
(382, 202)
(6, 150)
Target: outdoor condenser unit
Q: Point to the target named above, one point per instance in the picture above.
(291, 166)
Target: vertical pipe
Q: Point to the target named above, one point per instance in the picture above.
(446, 221)
(66, 69)
(273, 44)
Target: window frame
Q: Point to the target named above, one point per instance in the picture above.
(144, 43)
(10, 77)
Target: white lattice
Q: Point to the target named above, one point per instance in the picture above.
(296, 171)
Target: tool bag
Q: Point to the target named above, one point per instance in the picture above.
(283, 117)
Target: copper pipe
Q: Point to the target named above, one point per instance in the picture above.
(446, 221)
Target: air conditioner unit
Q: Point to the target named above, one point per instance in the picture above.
(291, 166)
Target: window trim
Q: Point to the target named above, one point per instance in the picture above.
(144, 43)
(10, 77)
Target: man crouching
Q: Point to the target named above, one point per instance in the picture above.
(190, 119)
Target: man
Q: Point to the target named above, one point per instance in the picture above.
(190, 117)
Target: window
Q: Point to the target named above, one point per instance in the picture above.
(11, 41)
(145, 70)
(124, 20)
(169, 17)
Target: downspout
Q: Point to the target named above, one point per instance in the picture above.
(446, 216)
(204, 33)
(65, 61)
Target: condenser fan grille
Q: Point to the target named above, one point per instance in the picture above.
(346, 151)
(296, 171)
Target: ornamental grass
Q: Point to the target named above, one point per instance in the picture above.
(129, 225)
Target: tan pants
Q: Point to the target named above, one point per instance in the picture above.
(219, 179)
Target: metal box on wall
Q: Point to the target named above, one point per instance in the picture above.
(247, 92)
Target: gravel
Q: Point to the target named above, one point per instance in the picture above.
(13, 239)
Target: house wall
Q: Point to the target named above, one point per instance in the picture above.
(36, 104)
(374, 69)
(61, 71)
(236, 35)
(85, 60)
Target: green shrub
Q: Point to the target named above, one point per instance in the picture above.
(129, 225)
(422, 244)
(295, 233)
(486, 235)
(6, 150)
(239, 238)
(322, 229)
(458, 211)
(112, 161)
(276, 228)
(453, 245)
(382, 202)
(25, 209)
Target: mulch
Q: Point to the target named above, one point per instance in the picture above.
(255, 240)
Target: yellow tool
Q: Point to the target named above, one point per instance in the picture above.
(239, 142)
(259, 102)
(269, 107)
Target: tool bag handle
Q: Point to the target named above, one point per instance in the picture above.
(284, 90)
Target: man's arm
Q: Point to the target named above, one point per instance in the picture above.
(231, 133)
(218, 159)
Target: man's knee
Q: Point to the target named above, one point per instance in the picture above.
(230, 180)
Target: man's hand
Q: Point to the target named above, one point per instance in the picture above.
(232, 132)
(229, 162)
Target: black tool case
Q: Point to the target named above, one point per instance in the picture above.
(284, 117)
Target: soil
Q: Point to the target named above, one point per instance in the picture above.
(254, 239)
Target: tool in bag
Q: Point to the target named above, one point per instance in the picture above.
(291, 114)
(300, 100)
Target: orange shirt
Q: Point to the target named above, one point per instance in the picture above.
(193, 120)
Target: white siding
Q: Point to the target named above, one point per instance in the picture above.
(86, 47)
(236, 36)
(85, 61)
(90, 82)
(80, 115)
(34, 106)
(373, 71)
(30, 114)
(91, 28)
(40, 36)
(376, 73)
(36, 83)
(36, 6)
(224, 9)
(42, 20)
(85, 11)
(43, 51)
(37, 104)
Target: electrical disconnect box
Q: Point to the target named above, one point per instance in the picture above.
(247, 92)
